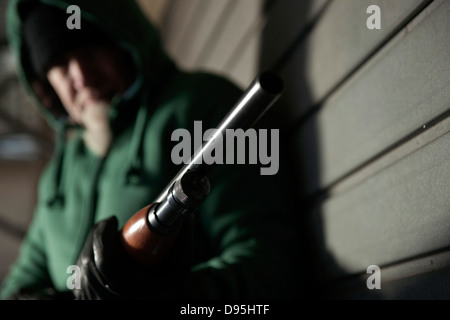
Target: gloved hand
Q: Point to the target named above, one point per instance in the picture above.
(107, 272)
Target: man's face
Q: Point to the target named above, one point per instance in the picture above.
(86, 80)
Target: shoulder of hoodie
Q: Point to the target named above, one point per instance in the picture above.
(205, 85)
(200, 93)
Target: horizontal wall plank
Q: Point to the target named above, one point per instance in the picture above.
(397, 92)
(245, 15)
(423, 278)
(244, 68)
(338, 44)
(286, 22)
(428, 133)
(180, 17)
(400, 213)
(155, 10)
(216, 36)
(200, 41)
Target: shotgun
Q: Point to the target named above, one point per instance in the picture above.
(150, 233)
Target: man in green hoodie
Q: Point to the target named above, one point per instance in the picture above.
(114, 97)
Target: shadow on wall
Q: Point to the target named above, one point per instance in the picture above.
(284, 50)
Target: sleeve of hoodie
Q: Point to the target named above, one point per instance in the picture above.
(29, 271)
(250, 229)
(247, 225)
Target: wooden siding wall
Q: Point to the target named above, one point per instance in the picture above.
(366, 115)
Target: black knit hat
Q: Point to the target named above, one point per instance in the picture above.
(46, 36)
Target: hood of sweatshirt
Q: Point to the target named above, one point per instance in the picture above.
(124, 23)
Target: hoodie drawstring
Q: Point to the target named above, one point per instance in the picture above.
(57, 199)
(133, 174)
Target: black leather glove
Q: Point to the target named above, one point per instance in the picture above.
(107, 272)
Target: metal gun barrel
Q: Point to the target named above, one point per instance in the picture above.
(263, 92)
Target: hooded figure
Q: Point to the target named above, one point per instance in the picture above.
(242, 242)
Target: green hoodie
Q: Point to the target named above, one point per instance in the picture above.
(244, 241)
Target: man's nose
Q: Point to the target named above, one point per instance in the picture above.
(82, 73)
